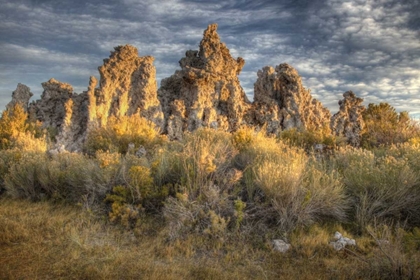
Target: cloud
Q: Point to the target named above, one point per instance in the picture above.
(369, 46)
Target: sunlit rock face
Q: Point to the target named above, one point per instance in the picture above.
(127, 86)
(348, 121)
(206, 91)
(20, 96)
(73, 131)
(281, 102)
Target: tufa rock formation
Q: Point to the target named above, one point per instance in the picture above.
(50, 109)
(348, 121)
(281, 102)
(74, 127)
(20, 96)
(63, 111)
(206, 91)
(127, 87)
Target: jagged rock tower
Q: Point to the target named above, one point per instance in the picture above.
(63, 111)
(51, 108)
(206, 91)
(281, 102)
(20, 96)
(127, 87)
(348, 121)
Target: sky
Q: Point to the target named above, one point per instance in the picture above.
(371, 47)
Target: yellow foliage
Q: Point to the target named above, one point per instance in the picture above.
(307, 139)
(17, 131)
(120, 132)
(141, 181)
(107, 159)
(243, 137)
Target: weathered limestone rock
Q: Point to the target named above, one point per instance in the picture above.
(50, 109)
(341, 242)
(63, 111)
(20, 96)
(92, 93)
(127, 86)
(280, 245)
(348, 121)
(206, 91)
(281, 102)
(73, 131)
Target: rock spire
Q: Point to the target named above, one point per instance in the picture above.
(281, 102)
(206, 91)
(20, 96)
(348, 121)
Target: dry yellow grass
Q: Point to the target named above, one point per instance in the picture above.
(46, 241)
(53, 241)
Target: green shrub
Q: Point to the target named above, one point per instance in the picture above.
(307, 139)
(144, 191)
(136, 191)
(210, 214)
(388, 259)
(206, 159)
(298, 192)
(239, 212)
(382, 188)
(70, 177)
(206, 186)
(125, 210)
(384, 126)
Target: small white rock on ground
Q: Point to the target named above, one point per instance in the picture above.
(280, 245)
(341, 241)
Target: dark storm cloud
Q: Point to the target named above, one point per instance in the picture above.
(369, 46)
